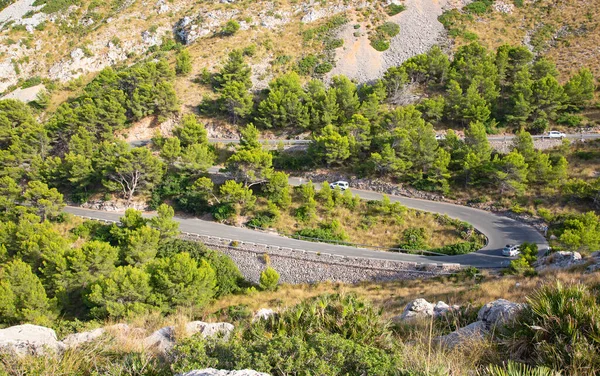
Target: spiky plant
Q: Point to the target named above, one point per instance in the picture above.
(560, 329)
(518, 369)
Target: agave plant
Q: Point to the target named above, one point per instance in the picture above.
(518, 369)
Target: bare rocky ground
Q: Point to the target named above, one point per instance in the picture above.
(419, 31)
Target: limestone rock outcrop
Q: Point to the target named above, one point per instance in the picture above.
(29, 340)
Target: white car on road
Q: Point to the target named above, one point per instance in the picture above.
(343, 185)
(511, 250)
(440, 137)
(556, 134)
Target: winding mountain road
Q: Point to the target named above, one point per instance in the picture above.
(498, 229)
(571, 136)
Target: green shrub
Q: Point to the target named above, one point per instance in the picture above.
(413, 238)
(249, 50)
(223, 212)
(390, 29)
(269, 278)
(457, 249)
(281, 60)
(394, 9)
(307, 64)
(261, 221)
(236, 312)
(230, 28)
(332, 44)
(570, 120)
(559, 329)
(380, 44)
(539, 126)
(479, 7)
(30, 82)
(331, 231)
(323, 68)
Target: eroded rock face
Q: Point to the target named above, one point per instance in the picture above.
(76, 339)
(559, 260)
(499, 312)
(221, 372)
(473, 332)
(29, 339)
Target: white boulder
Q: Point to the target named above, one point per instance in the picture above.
(161, 340)
(418, 308)
(76, 339)
(263, 314)
(217, 330)
(222, 372)
(29, 340)
(472, 332)
(499, 312)
(421, 308)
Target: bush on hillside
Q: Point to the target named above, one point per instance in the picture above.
(559, 329)
(269, 278)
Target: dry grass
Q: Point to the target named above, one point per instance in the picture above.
(392, 297)
(378, 229)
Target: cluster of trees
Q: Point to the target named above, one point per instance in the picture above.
(76, 149)
(505, 87)
(477, 90)
(99, 270)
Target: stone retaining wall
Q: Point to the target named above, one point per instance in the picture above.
(299, 266)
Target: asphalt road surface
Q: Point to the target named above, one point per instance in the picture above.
(498, 229)
(573, 136)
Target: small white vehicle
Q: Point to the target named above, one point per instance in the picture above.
(511, 250)
(440, 137)
(343, 185)
(556, 134)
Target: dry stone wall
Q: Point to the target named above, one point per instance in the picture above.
(299, 266)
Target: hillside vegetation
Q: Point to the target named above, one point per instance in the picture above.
(131, 94)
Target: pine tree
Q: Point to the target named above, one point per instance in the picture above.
(331, 147)
(171, 150)
(183, 63)
(190, 131)
(125, 292)
(511, 173)
(26, 299)
(180, 281)
(235, 100)
(278, 189)
(164, 222)
(234, 70)
(346, 97)
(580, 89)
(285, 105)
